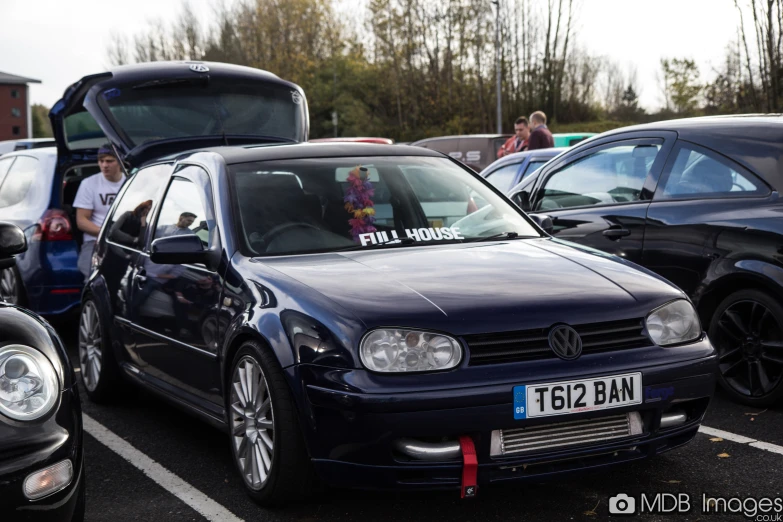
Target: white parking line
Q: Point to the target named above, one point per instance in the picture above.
(733, 437)
(725, 435)
(194, 498)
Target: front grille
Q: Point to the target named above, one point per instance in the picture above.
(528, 345)
(562, 435)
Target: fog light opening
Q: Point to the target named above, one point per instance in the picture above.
(48, 481)
(673, 418)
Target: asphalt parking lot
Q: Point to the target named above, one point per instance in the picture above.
(190, 475)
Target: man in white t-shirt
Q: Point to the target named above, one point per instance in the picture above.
(93, 201)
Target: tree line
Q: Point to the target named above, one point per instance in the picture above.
(409, 69)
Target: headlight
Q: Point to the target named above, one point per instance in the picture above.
(673, 323)
(392, 350)
(28, 383)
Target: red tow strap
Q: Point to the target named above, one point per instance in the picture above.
(469, 467)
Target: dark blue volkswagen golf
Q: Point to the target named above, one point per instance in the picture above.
(366, 315)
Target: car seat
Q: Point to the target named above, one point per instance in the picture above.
(707, 177)
(272, 200)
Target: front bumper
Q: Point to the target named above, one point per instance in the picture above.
(351, 435)
(27, 448)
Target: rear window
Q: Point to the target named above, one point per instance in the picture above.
(82, 132)
(206, 107)
(17, 182)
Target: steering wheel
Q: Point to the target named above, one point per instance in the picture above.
(276, 231)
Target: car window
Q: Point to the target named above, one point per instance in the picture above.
(442, 201)
(504, 177)
(128, 223)
(534, 166)
(197, 107)
(82, 132)
(697, 172)
(5, 164)
(328, 204)
(183, 212)
(18, 180)
(615, 174)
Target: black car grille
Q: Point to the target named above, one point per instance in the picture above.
(526, 345)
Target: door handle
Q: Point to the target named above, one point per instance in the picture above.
(616, 233)
(140, 278)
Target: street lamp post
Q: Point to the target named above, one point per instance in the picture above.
(497, 65)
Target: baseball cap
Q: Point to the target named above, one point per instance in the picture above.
(106, 150)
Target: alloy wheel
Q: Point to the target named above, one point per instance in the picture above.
(9, 291)
(252, 425)
(90, 354)
(750, 348)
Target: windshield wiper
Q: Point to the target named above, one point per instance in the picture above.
(504, 235)
(400, 241)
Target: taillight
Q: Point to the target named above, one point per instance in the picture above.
(53, 226)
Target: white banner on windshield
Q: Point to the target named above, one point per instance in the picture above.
(418, 234)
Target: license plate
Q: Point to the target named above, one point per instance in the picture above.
(561, 398)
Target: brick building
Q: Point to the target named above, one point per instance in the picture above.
(15, 114)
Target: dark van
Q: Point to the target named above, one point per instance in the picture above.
(477, 151)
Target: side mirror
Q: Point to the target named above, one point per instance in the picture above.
(177, 250)
(543, 221)
(522, 199)
(12, 242)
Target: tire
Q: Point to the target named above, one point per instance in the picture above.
(97, 367)
(287, 474)
(11, 289)
(747, 331)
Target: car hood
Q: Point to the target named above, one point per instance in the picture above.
(486, 287)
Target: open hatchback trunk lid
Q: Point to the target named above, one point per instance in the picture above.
(155, 109)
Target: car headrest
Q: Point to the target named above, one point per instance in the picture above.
(644, 151)
(715, 176)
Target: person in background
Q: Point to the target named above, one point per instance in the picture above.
(93, 201)
(181, 227)
(540, 137)
(519, 141)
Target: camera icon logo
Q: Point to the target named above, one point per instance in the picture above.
(622, 504)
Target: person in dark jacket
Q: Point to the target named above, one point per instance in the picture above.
(129, 228)
(540, 137)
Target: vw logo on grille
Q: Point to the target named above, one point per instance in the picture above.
(565, 342)
(199, 67)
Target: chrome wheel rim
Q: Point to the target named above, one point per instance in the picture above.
(8, 290)
(90, 355)
(750, 349)
(252, 426)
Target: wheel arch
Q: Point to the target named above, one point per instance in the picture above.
(756, 275)
(235, 341)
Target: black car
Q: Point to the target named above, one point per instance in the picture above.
(41, 447)
(511, 169)
(696, 201)
(345, 312)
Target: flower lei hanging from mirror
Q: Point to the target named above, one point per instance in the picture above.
(358, 201)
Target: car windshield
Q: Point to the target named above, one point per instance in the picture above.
(332, 204)
(179, 109)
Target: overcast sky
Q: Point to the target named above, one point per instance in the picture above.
(59, 41)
